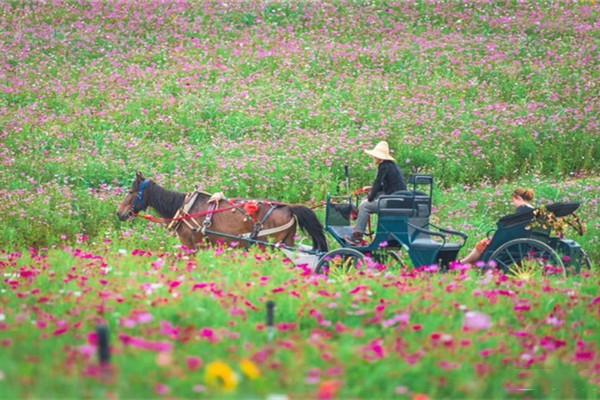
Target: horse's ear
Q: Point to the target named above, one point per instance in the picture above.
(139, 176)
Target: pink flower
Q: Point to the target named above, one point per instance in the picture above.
(161, 389)
(374, 350)
(584, 353)
(199, 286)
(358, 289)
(144, 344)
(522, 306)
(477, 321)
(193, 363)
(144, 318)
(174, 284)
(61, 331)
(209, 335)
(169, 330)
(286, 327)
(553, 321)
(158, 264)
(551, 344)
(87, 351)
(401, 319)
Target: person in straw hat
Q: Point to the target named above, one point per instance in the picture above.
(389, 180)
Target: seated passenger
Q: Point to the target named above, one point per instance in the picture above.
(521, 199)
(389, 180)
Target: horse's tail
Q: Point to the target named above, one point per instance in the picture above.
(311, 225)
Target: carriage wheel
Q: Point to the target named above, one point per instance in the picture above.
(528, 258)
(587, 261)
(390, 258)
(575, 264)
(340, 260)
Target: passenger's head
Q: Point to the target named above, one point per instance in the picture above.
(522, 196)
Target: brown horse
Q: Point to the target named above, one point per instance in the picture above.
(234, 222)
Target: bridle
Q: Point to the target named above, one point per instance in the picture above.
(138, 203)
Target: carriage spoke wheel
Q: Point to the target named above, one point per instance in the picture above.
(586, 260)
(339, 261)
(528, 258)
(575, 263)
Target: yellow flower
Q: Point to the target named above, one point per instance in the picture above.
(249, 369)
(220, 375)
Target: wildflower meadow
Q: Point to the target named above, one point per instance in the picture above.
(272, 100)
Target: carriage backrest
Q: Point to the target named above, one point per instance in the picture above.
(397, 211)
(406, 204)
(514, 226)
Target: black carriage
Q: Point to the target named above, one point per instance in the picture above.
(523, 244)
(402, 225)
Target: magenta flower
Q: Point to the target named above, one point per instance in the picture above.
(551, 344)
(193, 363)
(374, 350)
(522, 306)
(144, 344)
(161, 389)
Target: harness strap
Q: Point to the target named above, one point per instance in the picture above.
(270, 231)
(259, 225)
(212, 206)
(188, 203)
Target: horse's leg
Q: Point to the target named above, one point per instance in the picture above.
(186, 237)
(289, 236)
(279, 218)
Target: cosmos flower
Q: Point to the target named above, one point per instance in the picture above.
(218, 375)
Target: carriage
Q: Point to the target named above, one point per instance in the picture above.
(523, 244)
(403, 227)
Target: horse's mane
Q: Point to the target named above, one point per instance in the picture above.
(165, 202)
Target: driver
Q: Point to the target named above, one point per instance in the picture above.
(389, 180)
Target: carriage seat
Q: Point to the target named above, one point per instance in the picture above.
(558, 209)
(405, 203)
(423, 242)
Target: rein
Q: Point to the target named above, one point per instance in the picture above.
(187, 216)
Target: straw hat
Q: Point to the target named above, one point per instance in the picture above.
(381, 151)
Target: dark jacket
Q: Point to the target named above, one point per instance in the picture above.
(523, 209)
(389, 180)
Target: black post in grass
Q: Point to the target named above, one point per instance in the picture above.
(347, 176)
(103, 345)
(270, 319)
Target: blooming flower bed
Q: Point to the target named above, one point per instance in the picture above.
(183, 326)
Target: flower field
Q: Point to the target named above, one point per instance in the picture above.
(269, 99)
(189, 326)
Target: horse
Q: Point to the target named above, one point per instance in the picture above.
(267, 220)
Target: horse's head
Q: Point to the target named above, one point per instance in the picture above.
(135, 201)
